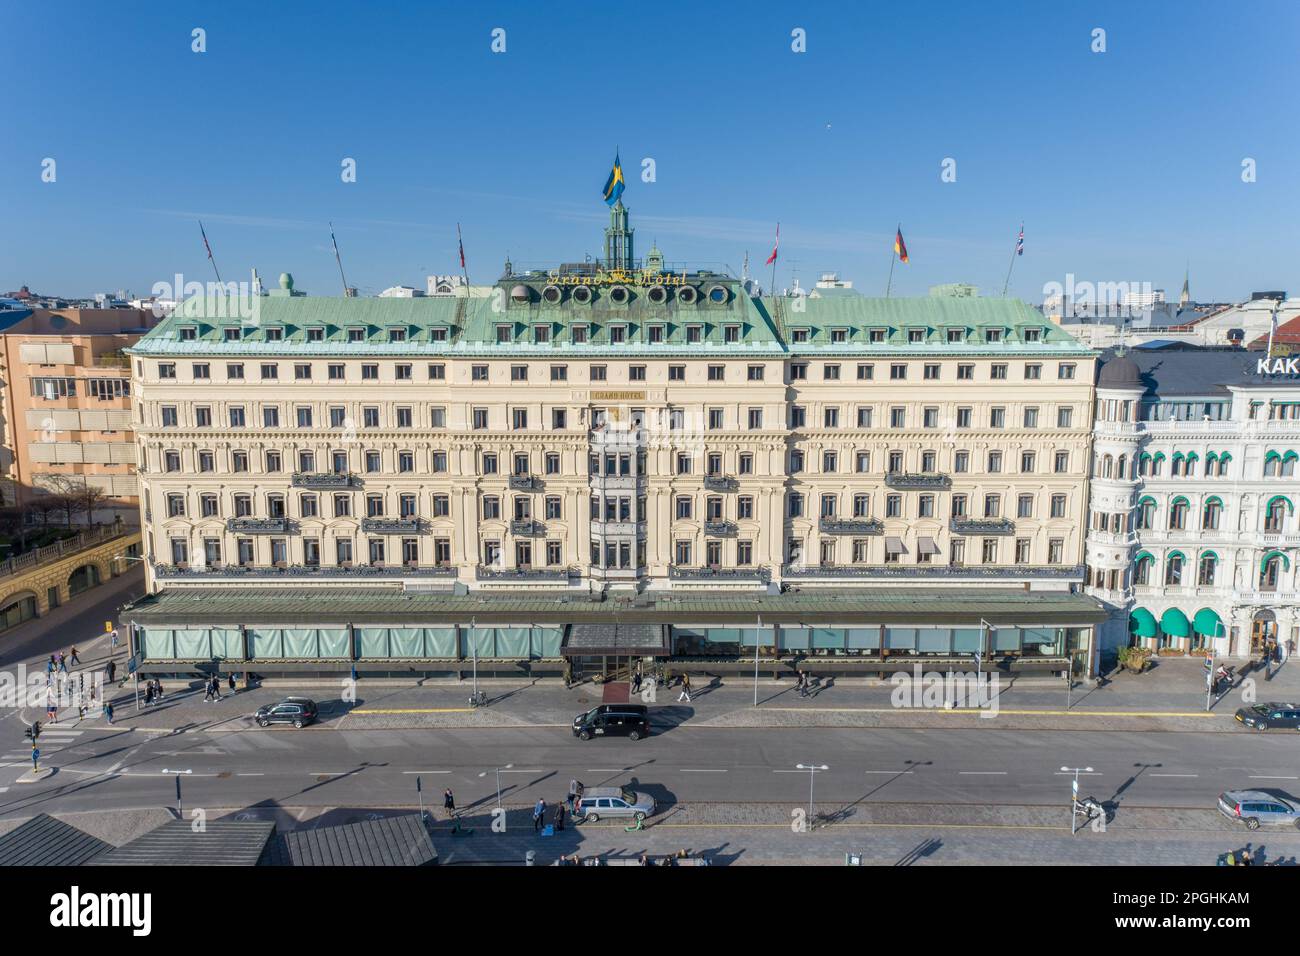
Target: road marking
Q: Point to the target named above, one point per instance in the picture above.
(4, 789)
(250, 775)
(369, 711)
(697, 770)
(1265, 777)
(982, 773)
(884, 771)
(1082, 773)
(409, 772)
(987, 712)
(504, 770)
(1172, 775)
(606, 770)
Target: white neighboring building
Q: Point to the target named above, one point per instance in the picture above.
(401, 292)
(1193, 535)
(455, 286)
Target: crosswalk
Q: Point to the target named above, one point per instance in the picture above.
(51, 741)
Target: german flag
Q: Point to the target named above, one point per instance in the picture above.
(900, 247)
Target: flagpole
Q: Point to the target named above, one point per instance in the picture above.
(208, 246)
(1009, 268)
(339, 260)
(460, 244)
(892, 256)
(775, 255)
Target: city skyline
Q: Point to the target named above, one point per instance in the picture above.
(252, 132)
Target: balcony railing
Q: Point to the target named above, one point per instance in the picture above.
(307, 570)
(850, 526)
(678, 573)
(720, 483)
(525, 483)
(527, 527)
(302, 479)
(982, 526)
(978, 572)
(259, 525)
(905, 482)
(720, 528)
(393, 525)
(485, 573)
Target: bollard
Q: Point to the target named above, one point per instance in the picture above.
(530, 858)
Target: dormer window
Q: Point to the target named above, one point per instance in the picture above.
(397, 335)
(579, 333)
(731, 333)
(438, 334)
(694, 333)
(916, 335)
(617, 334)
(656, 334)
(356, 335)
(839, 336)
(541, 334)
(1033, 335)
(956, 335)
(799, 335)
(231, 335)
(316, 334)
(877, 335)
(189, 333)
(993, 335)
(504, 334)
(274, 335)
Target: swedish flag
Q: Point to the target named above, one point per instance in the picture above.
(615, 185)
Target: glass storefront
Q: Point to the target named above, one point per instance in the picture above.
(870, 639)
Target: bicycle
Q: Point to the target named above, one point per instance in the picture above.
(478, 699)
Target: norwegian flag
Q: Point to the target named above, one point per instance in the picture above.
(775, 245)
(461, 243)
(1020, 242)
(205, 239)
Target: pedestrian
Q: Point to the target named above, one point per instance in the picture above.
(449, 803)
(158, 689)
(148, 693)
(49, 668)
(63, 663)
(636, 681)
(216, 686)
(686, 689)
(108, 711)
(230, 682)
(73, 655)
(207, 689)
(573, 794)
(559, 817)
(539, 812)
(111, 670)
(112, 638)
(1246, 858)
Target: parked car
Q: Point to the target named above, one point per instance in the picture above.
(613, 720)
(1265, 716)
(299, 711)
(1253, 807)
(600, 802)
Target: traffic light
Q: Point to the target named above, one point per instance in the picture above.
(32, 732)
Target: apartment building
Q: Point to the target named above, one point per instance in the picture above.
(1193, 532)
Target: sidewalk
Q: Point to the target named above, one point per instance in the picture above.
(1170, 697)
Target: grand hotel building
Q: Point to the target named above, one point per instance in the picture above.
(612, 460)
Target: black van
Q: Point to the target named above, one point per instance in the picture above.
(613, 720)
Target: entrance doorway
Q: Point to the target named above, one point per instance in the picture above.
(1262, 629)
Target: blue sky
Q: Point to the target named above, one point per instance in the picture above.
(1124, 165)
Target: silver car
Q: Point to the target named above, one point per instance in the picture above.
(600, 802)
(1255, 807)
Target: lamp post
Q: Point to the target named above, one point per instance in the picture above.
(985, 629)
(473, 644)
(813, 770)
(508, 766)
(1074, 796)
(758, 634)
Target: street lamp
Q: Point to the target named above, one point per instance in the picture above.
(813, 770)
(1074, 795)
(987, 629)
(758, 636)
(508, 766)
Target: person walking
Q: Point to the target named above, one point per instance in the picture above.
(111, 670)
(216, 686)
(573, 794)
(449, 803)
(148, 693)
(73, 656)
(559, 817)
(539, 812)
(230, 683)
(108, 711)
(636, 680)
(686, 689)
(63, 663)
(112, 640)
(1246, 858)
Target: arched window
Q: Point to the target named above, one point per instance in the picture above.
(1205, 573)
(1272, 464)
(1223, 464)
(1271, 568)
(1178, 514)
(1144, 465)
(1211, 464)
(1107, 466)
(1146, 514)
(1275, 513)
(1121, 468)
(1174, 568)
(1211, 514)
(1142, 568)
(1193, 460)
(1288, 464)
(1157, 464)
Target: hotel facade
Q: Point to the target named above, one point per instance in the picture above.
(1194, 534)
(609, 461)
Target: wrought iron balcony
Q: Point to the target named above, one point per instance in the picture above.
(956, 572)
(719, 528)
(982, 526)
(300, 570)
(720, 483)
(525, 483)
(522, 574)
(393, 525)
(917, 482)
(527, 527)
(678, 573)
(328, 479)
(850, 526)
(259, 525)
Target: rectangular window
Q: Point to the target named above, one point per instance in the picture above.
(866, 372)
(898, 372)
(677, 373)
(270, 371)
(559, 373)
(336, 373)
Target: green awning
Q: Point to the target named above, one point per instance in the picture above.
(1142, 623)
(1174, 623)
(1207, 622)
